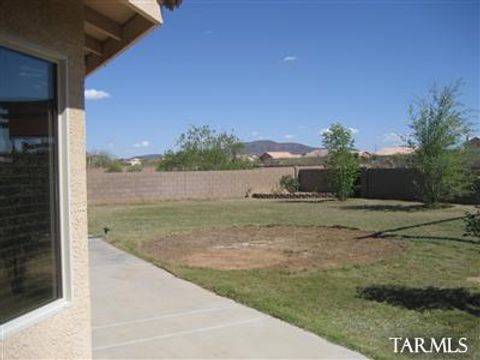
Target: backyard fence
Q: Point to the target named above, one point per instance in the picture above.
(150, 185)
(395, 184)
(374, 183)
(315, 180)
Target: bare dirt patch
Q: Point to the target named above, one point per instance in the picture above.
(251, 247)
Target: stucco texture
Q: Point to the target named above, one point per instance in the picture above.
(150, 185)
(57, 25)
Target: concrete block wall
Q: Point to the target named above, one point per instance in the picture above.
(150, 185)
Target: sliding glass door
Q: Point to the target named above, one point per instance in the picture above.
(30, 263)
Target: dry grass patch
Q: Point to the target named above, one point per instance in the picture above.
(253, 247)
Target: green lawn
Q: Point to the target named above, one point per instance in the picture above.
(431, 290)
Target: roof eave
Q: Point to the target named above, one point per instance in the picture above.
(145, 15)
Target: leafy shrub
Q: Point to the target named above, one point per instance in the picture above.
(135, 168)
(475, 189)
(289, 183)
(472, 224)
(115, 166)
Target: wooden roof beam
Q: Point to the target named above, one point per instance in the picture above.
(103, 24)
(93, 45)
(135, 28)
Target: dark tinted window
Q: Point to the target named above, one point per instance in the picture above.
(29, 239)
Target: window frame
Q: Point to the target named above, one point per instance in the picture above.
(63, 178)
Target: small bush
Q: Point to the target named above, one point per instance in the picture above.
(289, 183)
(115, 166)
(472, 224)
(475, 189)
(135, 168)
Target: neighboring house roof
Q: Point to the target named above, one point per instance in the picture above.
(324, 153)
(317, 153)
(112, 26)
(475, 142)
(364, 154)
(279, 155)
(394, 150)
(134, 161)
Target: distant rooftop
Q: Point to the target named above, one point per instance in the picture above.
(279, 155)
(317, 153)
(475, 141)
(395, 150)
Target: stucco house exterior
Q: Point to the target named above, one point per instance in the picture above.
(394, 150)
(47, 47)
(133, 162)
(278, 155)
(474, 142)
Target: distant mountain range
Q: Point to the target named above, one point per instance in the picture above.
(255, 148)
(261, 146)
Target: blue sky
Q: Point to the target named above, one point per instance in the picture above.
(283, 70)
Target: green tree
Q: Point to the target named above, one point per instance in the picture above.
(171, 4)
(342, 159)
(99, 159)
(202, 148)
(440, 126)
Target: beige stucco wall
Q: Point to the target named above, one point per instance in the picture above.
(57, 25)
(150, 185)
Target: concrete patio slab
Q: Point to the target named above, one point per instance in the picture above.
(140, 311)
